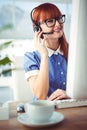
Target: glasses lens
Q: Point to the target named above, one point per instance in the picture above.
(50, 22)
(61, 19)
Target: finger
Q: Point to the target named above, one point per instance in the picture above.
(53, 96)
(40, 33)
(36, 34)
(63, 96)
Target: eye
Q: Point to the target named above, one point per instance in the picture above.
(50, 20)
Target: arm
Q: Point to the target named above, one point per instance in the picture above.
(40, 83)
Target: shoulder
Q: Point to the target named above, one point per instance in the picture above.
(32, 58)
(32, 54)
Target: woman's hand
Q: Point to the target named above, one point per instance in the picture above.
(58, 94)
(40, 43)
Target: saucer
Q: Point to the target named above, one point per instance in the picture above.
(57, 117)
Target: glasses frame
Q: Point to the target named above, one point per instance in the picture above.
(55, 19)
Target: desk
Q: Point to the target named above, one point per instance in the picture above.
(74, 119)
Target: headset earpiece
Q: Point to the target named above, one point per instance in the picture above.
(37, 28)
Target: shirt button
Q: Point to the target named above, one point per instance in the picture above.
(64, 83)
(62, 72)
(58, 63)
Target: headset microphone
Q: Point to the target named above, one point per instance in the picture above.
(48, 32)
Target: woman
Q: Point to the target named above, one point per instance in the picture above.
(46, 68)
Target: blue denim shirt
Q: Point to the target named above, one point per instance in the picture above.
(57, 69)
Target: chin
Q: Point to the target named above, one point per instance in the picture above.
(59, 34)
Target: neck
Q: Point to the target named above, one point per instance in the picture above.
(52, 44)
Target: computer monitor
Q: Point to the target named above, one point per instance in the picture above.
(77, 62)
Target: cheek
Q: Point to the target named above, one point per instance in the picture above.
(45, 28)
(61, 34)
(62, 27)
(62, 30)
(58, 34)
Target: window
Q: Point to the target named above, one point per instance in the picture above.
(15, 19)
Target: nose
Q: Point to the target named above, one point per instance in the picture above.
(57, 23)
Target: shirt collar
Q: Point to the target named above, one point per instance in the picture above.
(51, 52)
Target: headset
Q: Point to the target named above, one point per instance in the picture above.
(36, 25)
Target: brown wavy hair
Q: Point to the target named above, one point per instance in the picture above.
(46, 11)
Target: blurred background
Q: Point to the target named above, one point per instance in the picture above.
(16, 37)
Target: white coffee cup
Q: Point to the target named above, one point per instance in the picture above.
(40, 110)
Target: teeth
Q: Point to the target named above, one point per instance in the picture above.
(57, 30)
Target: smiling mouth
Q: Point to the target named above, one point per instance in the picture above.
(58, 30)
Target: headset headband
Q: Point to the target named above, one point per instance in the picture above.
(36, 26)
(31, 15)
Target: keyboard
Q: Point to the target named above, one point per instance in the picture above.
(67, 103)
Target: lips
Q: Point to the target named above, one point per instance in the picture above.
(57, 29)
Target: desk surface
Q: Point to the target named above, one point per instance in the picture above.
(74, 119)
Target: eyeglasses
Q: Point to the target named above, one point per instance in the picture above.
(52, 22)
